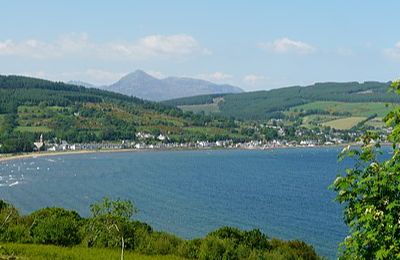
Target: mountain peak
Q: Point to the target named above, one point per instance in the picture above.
(139, 73)
(143, 85)
(80, 83)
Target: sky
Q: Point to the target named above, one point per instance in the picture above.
(251, 44)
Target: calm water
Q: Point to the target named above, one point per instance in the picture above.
(282, 192)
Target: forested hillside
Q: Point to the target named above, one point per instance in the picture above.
(30, 107)
(273, 103)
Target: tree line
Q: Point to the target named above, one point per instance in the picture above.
(110, 225)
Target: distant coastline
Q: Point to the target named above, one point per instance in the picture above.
(11, 157)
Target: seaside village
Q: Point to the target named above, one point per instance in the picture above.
(149, 141)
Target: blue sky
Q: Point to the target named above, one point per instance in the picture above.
(251, 44)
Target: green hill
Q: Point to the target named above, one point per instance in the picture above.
(333, 100)
(30, 107)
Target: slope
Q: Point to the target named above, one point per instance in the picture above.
(30, 107)
(142, 85)
(274, 103)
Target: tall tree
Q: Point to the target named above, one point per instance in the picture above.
(110, 219)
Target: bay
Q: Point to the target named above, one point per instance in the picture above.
(283, 192)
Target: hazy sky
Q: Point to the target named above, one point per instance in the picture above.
(253, 44)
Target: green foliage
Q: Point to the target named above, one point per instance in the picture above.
(233, 243)
(213, 248)
(13, 227)
(253, 238)
(56, 226)
(159, 243)
(294, 249)
(270, 133)
(370, 193)
(110, 226)
(121, 209)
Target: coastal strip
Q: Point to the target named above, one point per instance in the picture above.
(10, 157)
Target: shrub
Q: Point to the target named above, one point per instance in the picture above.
(159, 243)
(189, 249)
(214, 248)
(15, 233)
(56, 226)
(255, 239)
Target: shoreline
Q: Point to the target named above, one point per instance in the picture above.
(11, 157)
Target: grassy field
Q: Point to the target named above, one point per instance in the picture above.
(356, 109)
(376, 122)
(314, 120)
(206, 108)
(43, 252)
(344, 123)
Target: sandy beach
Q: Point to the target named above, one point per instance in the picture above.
(9, 157)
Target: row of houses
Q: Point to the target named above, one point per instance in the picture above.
(64, 146)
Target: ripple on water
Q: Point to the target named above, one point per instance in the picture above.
(283, 192)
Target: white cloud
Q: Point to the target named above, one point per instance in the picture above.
(158, 46)
(253, 79)
(216, 76)
(153, 46)
(286, 45)
(393, 53)
(65, 45)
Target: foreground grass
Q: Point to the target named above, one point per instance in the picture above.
(44, 252)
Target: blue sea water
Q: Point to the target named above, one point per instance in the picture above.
(283, 192)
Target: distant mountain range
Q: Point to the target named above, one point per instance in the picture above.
(142, 85)
(81, 83)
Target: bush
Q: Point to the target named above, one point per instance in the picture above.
(212, 249)
(12, 227)
(159, 243)
(56, 226)
(294, 249)
(15, 233)
(254, 239)
(189, 249)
